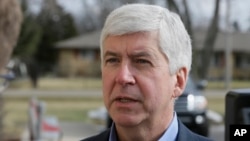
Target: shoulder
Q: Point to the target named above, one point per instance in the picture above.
(103, 136)
(186, 134)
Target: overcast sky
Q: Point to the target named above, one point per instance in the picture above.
(201, 10)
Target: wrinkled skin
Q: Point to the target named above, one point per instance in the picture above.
(138, 89)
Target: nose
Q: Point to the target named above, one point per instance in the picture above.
(124, 75)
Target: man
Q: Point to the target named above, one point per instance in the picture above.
(10, 22)
(146, 59)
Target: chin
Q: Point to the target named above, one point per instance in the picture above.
(127, 121)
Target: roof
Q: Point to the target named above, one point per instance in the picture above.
(240, 41)
(89, 40)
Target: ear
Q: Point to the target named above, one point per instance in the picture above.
(181, 77)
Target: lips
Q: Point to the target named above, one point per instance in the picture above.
(125, 99)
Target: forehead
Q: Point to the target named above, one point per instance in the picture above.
(132, 42)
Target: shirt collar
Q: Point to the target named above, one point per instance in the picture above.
(113, 134)
(170, 134)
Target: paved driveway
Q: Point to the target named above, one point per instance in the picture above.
(79, 131)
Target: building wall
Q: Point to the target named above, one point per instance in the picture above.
(71, 63)
(240, 66)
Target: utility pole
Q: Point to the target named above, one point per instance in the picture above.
(228, 48)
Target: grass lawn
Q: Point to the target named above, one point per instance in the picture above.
(217, 105)
(234, 84)
(64, 109)
(59, 83)
(95, 83)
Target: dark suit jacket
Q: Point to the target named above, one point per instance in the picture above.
(184, 134)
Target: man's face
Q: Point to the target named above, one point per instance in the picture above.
(137, 85)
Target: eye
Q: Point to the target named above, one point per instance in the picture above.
(111, 61)
(142, 61)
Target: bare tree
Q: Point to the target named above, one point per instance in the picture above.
(208, 46)
(186, 18)
(93, 20)
(209, 42)
(173, 6)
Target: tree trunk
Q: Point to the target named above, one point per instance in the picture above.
(188, 24)
(189, 28)
(172, 6)
(209, 42)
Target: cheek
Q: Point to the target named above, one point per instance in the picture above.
(151, 91)
(107, 79)
(157, 99)
(157, 90)
(107, 83)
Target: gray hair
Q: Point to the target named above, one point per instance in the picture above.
(174, 40)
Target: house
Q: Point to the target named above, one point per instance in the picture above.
(240, 54)
(79, 56)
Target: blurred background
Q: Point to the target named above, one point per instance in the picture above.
(57, 60)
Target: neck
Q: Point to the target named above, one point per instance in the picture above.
(146, 131)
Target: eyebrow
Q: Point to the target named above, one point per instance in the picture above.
(133, 55)
(141, 54)
(110, 53)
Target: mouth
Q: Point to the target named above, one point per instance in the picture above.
(125, 100)
(125, 104)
